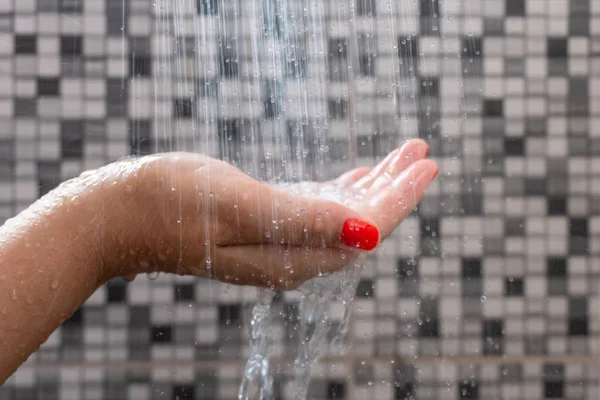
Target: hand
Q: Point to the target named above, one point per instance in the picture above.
(190, 214)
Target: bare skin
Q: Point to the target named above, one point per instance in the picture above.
(185, 214)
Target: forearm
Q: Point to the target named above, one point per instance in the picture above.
(51, 261)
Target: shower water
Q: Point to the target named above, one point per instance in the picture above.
(317, 329)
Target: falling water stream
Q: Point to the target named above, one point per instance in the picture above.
(257, 81)
(314, 316)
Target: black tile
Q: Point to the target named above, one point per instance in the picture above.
(535, 186)
(338, 48)
(515, 8)
(25, 44)
(48, 87)
(116, 292)
(514, 226)
(271, 99)
(513, 286)
(366, 8)
(338, 108)
(468, 390)
(208, 7)
(366, 65)
(472, 204)
(557, 48)
(336, 390)
(139, 316)
(71, 6)
(72, 134)
(140, 137)
(472, 48)
(493, 328)
(228, 65)
(557, 205)
(553, 390)
(140, 66)
(71, 45)
(183, 108)
(556, 267)
(578, 306)
(578, 227)
(75, 319)
(229, 131)
(161, 334)
(430, 87)
(404, 391)
(184, 293)
(365, 289)
(117, 93)
(514, 146)
(493, 108)
(578, 327)
(408, 47)
(25, 107)
(429, 227)
(207, 87)
(430, 8)
(183, 392)
(407, 269)
(471, 268)
(230, 314)
(48, 176)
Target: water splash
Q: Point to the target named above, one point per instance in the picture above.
(318, 330)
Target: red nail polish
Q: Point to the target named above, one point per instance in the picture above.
(360, 234)
(427, 151)
(436, 173)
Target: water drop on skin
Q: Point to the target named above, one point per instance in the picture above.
(54, 284)
(13, 295)
(5, 311)
(153, 275)
(128, 189)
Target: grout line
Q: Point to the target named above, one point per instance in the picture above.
(461, 360)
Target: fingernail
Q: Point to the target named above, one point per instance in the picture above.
(427, 151)
(436, 173)
(360, 234)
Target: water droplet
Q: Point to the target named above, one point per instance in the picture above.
(153, 275)
(13, 295)
(128, 189)
(54, 284)
(483, 298)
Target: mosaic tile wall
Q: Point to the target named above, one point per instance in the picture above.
(490, 291)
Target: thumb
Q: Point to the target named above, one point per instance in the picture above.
(318, 223)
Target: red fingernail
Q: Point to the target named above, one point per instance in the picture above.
(360, 234)
(427, 151)
(436, 173)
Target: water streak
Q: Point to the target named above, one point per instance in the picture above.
(317, 326)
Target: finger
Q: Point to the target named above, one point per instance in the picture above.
(413, 151)
(279, 267)
(351, 177)
(370, 178)
(390, 207)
